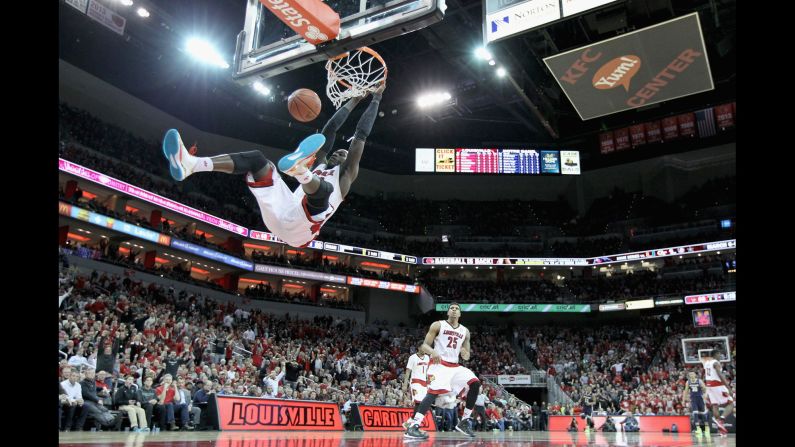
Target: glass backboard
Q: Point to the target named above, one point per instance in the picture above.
(267, 47)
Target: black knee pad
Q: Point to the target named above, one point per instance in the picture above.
(251, 161)
(317, 202)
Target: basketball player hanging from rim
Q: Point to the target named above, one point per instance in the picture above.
(449, 339)
(294, 216)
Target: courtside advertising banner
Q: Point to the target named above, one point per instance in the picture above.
(654, 424)
(658, 63)
(256, 413)
(383, 418)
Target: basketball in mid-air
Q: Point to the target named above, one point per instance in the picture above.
(304, 105)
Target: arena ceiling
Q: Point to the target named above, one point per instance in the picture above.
(148, 63)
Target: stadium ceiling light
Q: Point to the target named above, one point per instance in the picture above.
(501, 72)
(483, 53)
(260, 88)
(143, 12)
(126, 2)
(433, 99)
(204, 52)
(492, 62)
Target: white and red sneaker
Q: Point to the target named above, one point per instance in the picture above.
(180, 160)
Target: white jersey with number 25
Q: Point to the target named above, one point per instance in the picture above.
(449, 341)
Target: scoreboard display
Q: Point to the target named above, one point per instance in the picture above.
(520, 161)
(496, 161)
(477, 161)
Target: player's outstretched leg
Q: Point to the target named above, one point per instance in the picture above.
(182, 163)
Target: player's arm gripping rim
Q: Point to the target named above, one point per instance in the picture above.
(350, 167)
(465, 347)
(429, 337)
(332, 127)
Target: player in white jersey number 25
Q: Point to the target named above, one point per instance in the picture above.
(444, 342)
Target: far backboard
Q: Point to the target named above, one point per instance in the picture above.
(694, 348)
(267, 47)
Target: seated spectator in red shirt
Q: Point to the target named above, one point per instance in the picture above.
(169, 400)
(495, 416)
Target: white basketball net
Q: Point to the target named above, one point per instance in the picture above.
(352, 75)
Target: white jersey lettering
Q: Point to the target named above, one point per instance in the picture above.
(449, 341)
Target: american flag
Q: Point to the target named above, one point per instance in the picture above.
(705, 120)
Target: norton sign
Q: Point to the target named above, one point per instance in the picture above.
(659, 63)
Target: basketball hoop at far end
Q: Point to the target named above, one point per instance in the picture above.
(353, 74)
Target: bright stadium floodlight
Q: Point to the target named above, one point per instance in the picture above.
(432, 99)
(492, 62)
(261, 88)
(501, 72)
(126, 2)
(203, 51)
(143, 12)
(483, 53)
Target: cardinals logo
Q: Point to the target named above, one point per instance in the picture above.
(431, 378)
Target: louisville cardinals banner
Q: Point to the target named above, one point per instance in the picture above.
(384, 418)
(256, 413)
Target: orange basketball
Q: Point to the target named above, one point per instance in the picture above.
(304, 105)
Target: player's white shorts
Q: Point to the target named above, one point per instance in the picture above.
(282, 211)
(448, 377)
(418, 391)
(719, 395)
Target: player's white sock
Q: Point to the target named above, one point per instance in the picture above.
(202, 164)
(467, 413)
(417, 419)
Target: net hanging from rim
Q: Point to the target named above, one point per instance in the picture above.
(354, 73)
